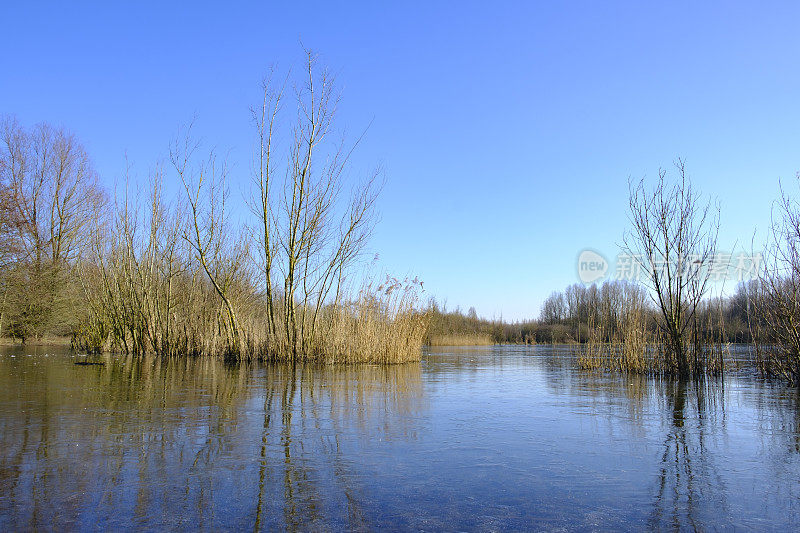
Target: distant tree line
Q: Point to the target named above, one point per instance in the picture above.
(581, 307)
(571, 315)
(669, 323)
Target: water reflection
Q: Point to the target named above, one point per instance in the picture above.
(189, 443)
(469, 439)
(689, 485)
(339, 407)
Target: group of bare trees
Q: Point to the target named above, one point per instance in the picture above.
(660, 322)
(674, 235)
(663, 324)
(192, 274)
(673, 239)
(144, 287)
(580, 305)
(50, 200)
(309, 229)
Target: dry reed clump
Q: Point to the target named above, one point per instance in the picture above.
(596, 353)
(381, 325)
(460, 340)
(623, 348)
(136, 306)
(637, 351)
(187, 277)
(624, 343)
(633, 342)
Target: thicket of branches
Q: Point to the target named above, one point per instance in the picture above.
(50, 200)
(673, 236)
(148, 273)
(773, 300)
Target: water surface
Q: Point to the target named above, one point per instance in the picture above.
(479, 438)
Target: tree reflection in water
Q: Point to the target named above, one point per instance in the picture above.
(479, 438)
(177, 442)
(689, 487)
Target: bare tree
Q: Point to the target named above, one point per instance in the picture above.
(776, 295)
(209, 230)
(673, 239)
(554, 309)
(263, 178)
(309, 233)
(51, 198)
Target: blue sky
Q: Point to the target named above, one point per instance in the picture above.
(507, 131)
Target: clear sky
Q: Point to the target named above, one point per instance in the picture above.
(507, 131)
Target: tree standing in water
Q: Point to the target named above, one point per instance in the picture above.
(673, 239)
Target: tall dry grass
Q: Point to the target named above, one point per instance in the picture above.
(376, 327)
(638, 350)
(380, 325)
(623, 339)
(191, 276)
(147, 293)
(619, 338)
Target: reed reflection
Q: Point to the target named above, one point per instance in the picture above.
(325, 414)
(188, 443)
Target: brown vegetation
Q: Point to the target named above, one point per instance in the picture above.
(50, 200)
(774, 299)
(181, 276)
(187, 275)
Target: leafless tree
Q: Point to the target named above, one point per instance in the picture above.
(51, 198)
(776, 295)
(309, 233)
(209, 232)
(554, 309)
(178, 277)
(673, 238)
